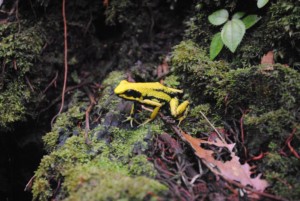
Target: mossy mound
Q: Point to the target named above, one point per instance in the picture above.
(260, 102)
(110, 165)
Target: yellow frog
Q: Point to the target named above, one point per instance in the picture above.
(152, 94)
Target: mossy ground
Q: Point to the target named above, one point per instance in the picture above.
(228, 97)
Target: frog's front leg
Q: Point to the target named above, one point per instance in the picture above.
(179, 111)
(131, 116)
(155, 111)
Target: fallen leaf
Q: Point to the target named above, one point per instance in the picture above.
(232, 169)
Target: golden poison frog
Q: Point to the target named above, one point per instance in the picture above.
(152, 94)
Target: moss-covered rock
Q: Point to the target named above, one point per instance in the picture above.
(95, 182)
(110, 165)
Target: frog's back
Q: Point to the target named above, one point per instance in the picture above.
(158, 87)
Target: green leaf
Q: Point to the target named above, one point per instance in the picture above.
(261, 3)
(232, 33)
(216, 46)
(218, 17)
(238, 15)
(250, 20)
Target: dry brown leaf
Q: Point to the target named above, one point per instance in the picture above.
(163, 69)
(268, 58)
(232, 170)
(267, 61)
(105, 3)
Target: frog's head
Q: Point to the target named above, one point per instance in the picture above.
(126, 90)
(123, 86)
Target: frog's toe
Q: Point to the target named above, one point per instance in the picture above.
(131, 119)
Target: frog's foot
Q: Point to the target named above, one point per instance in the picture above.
(180, 119)
(131, 119)
(152, 116)
(145, 122)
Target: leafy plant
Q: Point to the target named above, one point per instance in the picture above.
(261, 3)
(232, 32)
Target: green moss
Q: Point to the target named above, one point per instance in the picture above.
(281, 172)
(280, 84)
(18, 52)
(284, 27)
(90, 183)
(64, 127)
(58, 163)
(195, 70)
(12, 103)
(51, 140)
(139, 165)
(172, 81)
(41, 185)
(114, 78)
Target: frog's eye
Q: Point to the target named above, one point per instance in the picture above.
(132, 93)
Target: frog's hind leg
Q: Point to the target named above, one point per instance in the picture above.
(155, 111)
(183, 108)
(179, 111)
(152, 116)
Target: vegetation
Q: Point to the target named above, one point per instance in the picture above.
(235, 94)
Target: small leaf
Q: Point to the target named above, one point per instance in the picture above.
(216, 46)
(232, 33)
(218, 17)
(261, 3)
(238, 15)
(250, 20)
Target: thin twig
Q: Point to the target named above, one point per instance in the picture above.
(67, 90)
(288, 142)
(65, 61)
(87, 114)
(244, 112)
(50, 84)
(88, 25)
(29, 183)
(17, 16)
(29, 83)
(220, 136)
